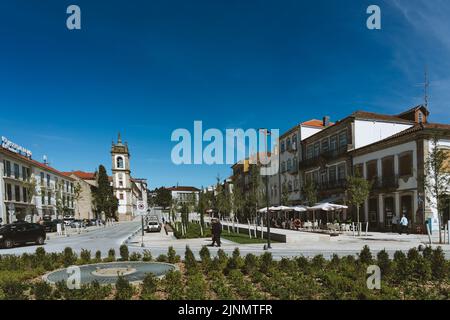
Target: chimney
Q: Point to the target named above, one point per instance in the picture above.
(326, 121)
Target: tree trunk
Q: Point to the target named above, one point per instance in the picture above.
(357, 220)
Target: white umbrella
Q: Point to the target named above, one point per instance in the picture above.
(300, 208)
(270, 209)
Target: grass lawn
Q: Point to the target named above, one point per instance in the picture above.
(243, 238)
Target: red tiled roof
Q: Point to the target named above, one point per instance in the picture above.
(377, 116)
(183, 188)
(33, 162)
(81, 174)
(315, 123)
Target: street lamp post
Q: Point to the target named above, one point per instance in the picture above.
(267, 133)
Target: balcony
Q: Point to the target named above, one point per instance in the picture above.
(385, 183)
(323, 157)
(331, 185)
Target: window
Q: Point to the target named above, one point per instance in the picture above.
(294, 142)
(295, 164)
(121, 196)
(359, 168)
(288, 144)
(310, 152)
(71, 187)
(17, 193)
(420, 117)
(120, 163)
(333, 143)
(8, 168)
(296, 184)
(48, 180)
(342, 139)
(371, 170)
(43, 198)
(283, 166)
(332, 174)
(25, 174)
(341, 172)
(8, 192)
(25, 194)
(323, 177)
(282, 146)
(373, 210)
(316, 149)
(42, 178)
(315, 177)
(16, 171)
(388, 167)
(325, 146)
(405, 162)
(289, 165)
(49, 198)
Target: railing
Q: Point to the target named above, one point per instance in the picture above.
(390, 182)
(327, 156)
(337, 184)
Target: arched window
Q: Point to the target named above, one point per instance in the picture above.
(120, 162)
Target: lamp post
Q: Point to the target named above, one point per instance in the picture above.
(267, 133)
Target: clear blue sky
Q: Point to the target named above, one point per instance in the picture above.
(146, 68)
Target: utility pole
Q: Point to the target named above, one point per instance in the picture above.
(267, 134)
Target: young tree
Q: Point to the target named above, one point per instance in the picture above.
(284, 194)
(254, 198)
(103, 197)
(437, 179)
(61, 201)
(223, 202)
(310, 192)
(163, 197)
(358, 190)
(202, 206)
(238, 202)
(77, 196)
(30, 187)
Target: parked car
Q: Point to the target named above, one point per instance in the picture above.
(50, 226)
(21, 233)
(153, 226)
(68, 220)
(77, 224)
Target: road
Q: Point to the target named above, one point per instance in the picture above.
(101, 239)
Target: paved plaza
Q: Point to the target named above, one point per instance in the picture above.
(307, 244)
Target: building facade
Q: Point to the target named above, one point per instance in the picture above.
(396, 166)
(31, 190)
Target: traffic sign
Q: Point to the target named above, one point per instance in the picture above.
(141, 206)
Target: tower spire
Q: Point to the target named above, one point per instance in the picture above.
(119, 138)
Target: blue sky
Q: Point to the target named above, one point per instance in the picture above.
(145, 68)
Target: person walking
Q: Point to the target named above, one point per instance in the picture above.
(404, 225)
(216, 229)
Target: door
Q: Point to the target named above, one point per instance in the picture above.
(406, 208)
(388, 211)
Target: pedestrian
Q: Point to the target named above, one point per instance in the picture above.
(394, 223)
(404, 225)
(216, 229)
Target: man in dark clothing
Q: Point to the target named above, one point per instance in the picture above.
(216, 231)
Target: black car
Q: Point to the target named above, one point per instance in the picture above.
(50, 226)
(21, 233)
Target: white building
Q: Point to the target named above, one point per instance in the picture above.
(288, 176)
(396, 166)
(31, 189)
(184, 194)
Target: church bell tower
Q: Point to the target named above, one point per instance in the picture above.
(121, 179)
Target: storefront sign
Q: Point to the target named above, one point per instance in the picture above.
(11, 146)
